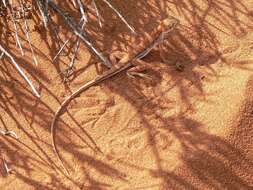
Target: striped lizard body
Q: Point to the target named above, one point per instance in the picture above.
(126, 62)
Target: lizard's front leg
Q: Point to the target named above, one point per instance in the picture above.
(119, 58)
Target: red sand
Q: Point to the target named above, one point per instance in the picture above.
(180, 130)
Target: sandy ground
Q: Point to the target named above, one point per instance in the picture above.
(180, 130)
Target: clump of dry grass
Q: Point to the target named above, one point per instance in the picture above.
(12, 11)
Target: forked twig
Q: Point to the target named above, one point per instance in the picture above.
(67, 41)
(82, 11)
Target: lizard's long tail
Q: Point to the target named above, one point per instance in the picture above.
(101, 78)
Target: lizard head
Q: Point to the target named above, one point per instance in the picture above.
(170, 22)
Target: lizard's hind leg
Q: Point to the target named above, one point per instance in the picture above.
(140, 67)
(119, 58)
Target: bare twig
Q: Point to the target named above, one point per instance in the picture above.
(4, 2)
(6, 167)
(74, 3)
(16, 30)
(43, 8)
(14, 135)
(77, 45)
(83, 22)
(61, 49)
(27, 34)
(97, 12)
(82, 11)
(9, 133)
(55, 29)
(120, 16)
(21, 72)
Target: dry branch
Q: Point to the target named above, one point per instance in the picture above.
(120, 16)
(21, 72)
(97, 12)
(16, 29)
(28, 35)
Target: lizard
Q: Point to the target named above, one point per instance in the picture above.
(126, 63)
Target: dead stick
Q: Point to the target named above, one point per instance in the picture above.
(120, 16)
(19, 70)
(16, 30)
(97, 12)
(28, 35)
(43, 8)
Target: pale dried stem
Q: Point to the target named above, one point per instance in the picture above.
(14, 135)
(82, 11)
(64, 44)
(77, 45)
(43, 8)
(97, 12)
(120, 16)
(16, 30)
(28, 35)
(9, 133)
(21, 72)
